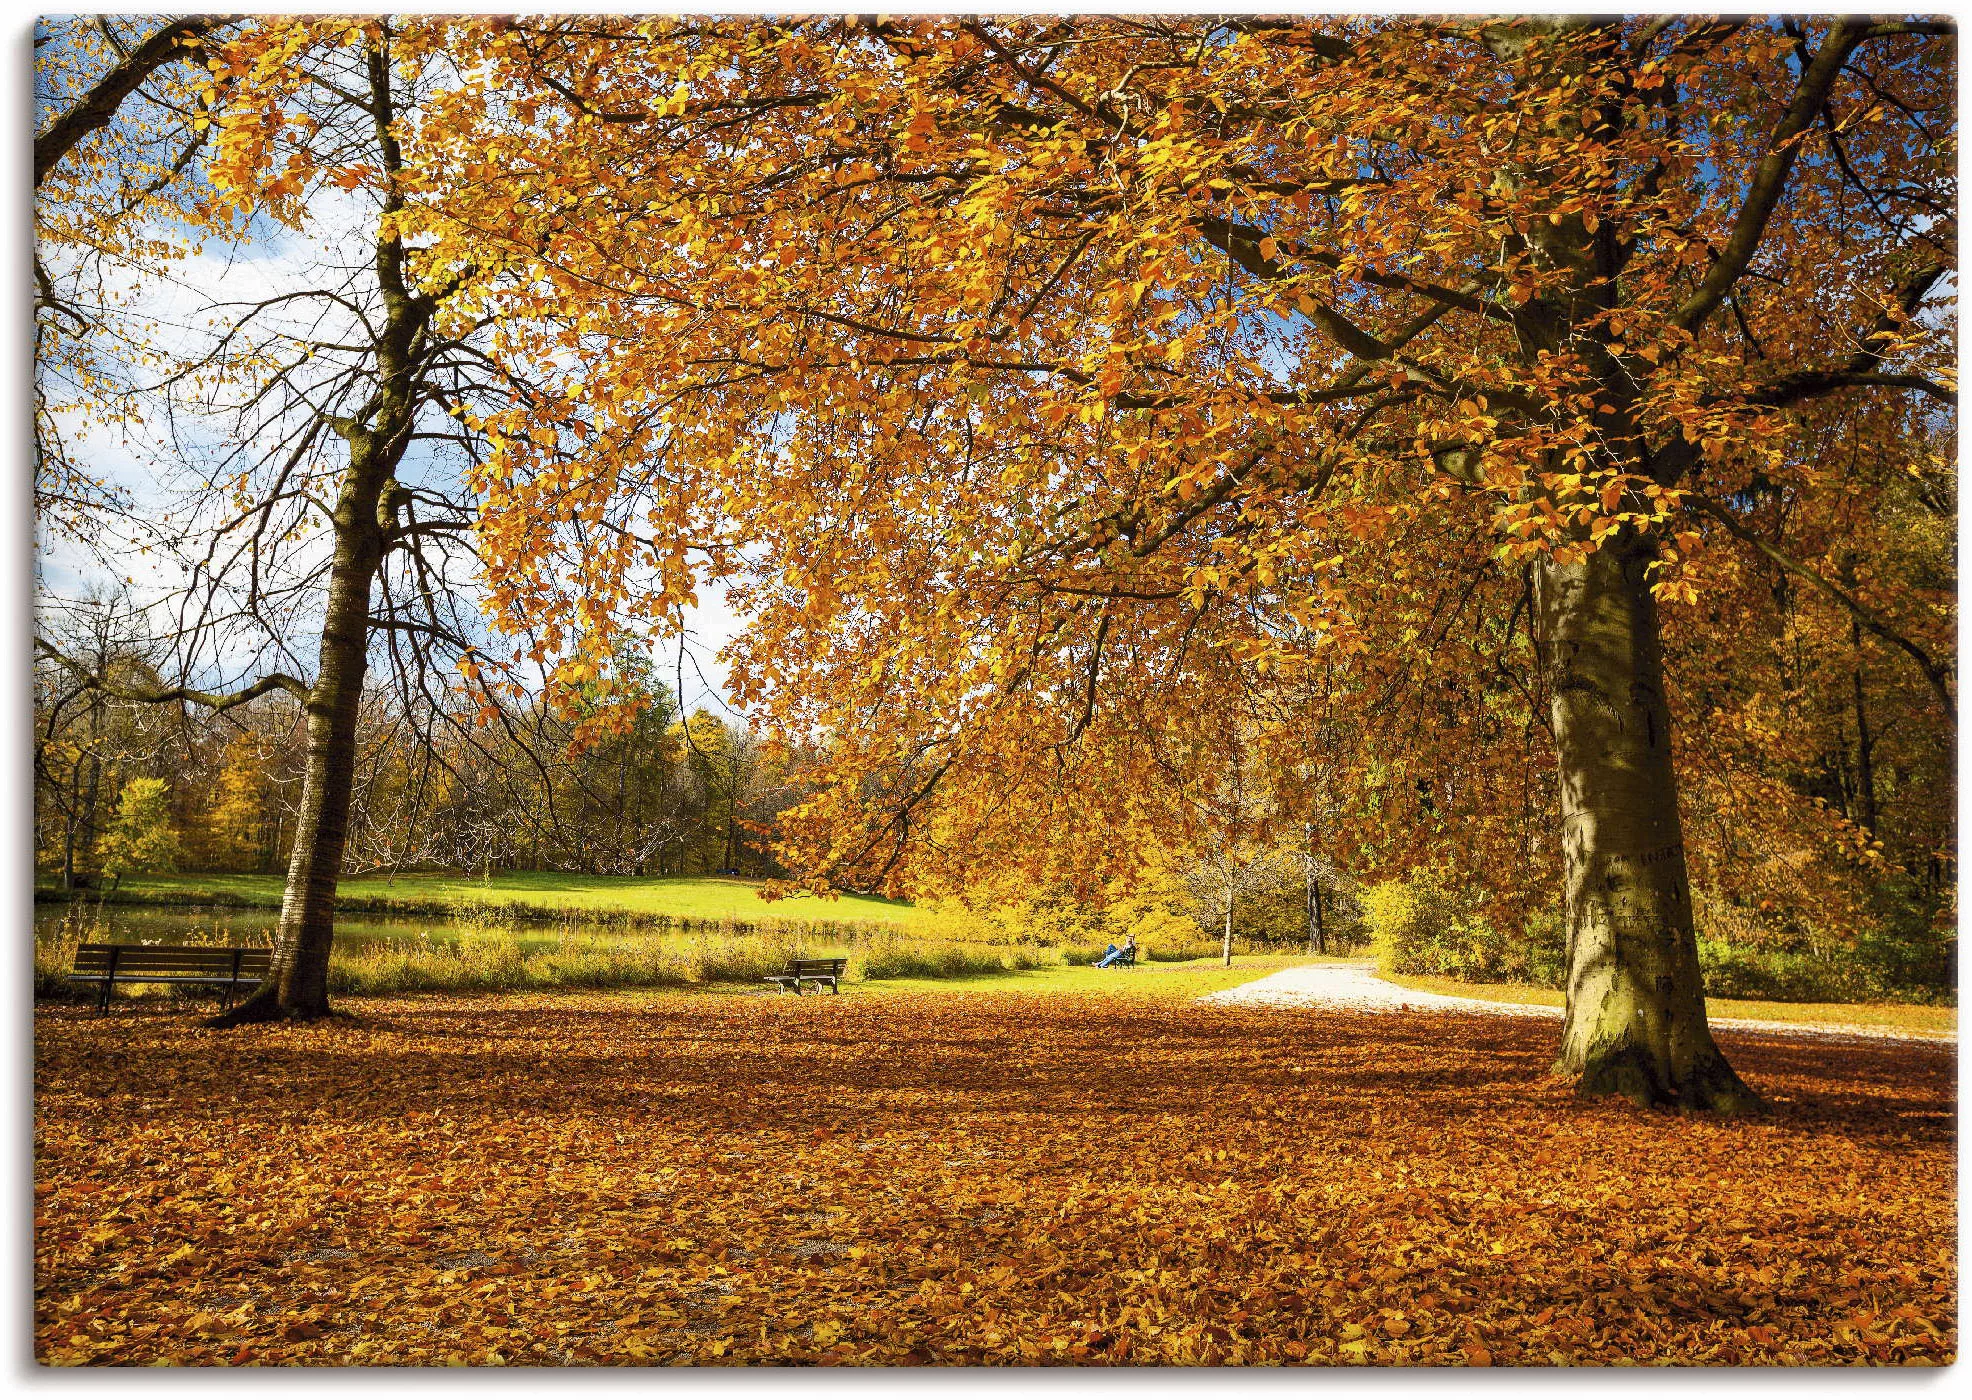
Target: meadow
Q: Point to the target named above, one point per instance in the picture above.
(510, 936)
(534, 931)
(536, 893)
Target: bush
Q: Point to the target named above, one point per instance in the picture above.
(902, 958)
(1893, 950)
(54, 956)
(1426, 926)
(1429, 926)
(1876, 969)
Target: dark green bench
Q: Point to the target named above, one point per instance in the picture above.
(107, 964)
(819, 971)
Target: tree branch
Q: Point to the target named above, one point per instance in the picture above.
(216, 701)
(99, 104)
(1939, 675)
(1769, 180)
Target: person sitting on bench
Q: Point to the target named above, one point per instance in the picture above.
(1127, 953)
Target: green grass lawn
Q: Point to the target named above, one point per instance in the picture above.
(1160, 982)
(684, 897)
(1916, 1020)
(1171, 981)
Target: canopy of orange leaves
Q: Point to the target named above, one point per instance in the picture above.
(964, 1179)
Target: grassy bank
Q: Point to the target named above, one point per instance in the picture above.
(488, 954)
(679, 902)
(531, 931)
(1169, 982)
(1919, 1020)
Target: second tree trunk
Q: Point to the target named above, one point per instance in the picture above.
(1635, 1021)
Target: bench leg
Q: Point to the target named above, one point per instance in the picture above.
(103, 1001)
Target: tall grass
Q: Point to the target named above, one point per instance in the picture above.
(481, 952)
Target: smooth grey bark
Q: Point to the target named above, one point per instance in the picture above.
(1635, 1022)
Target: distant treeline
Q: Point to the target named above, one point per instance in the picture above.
(124, 788)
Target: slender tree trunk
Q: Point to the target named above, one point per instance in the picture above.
(1226, 947)
(92, 803)
(297, 984)
(1865, 742)
(1317, 934)
(1636, 1004)
(71, 826)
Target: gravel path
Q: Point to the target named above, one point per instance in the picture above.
(1356, 987)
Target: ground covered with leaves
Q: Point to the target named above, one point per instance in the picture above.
(627, 1179)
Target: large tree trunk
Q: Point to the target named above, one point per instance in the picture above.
(297, 984)
(1636, 1004)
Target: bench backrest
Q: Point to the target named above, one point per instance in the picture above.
(169, 960)
(816, 967)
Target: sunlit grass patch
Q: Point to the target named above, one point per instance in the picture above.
(1918, 1020)
(551, 893)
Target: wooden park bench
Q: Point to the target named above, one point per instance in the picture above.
(816, 970)
(1125, 957)
(107, 964)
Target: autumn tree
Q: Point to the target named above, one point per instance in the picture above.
(140, 840)
(122, 110)
(1030, 361)
(233, 826)
(87, 745)
(1822, 782)
(311, 434)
